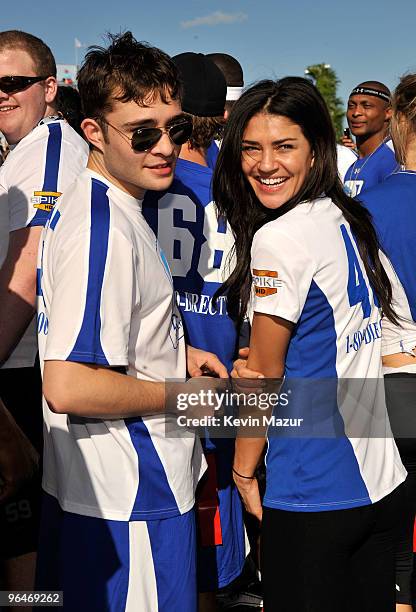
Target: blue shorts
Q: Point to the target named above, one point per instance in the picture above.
(219, 565)
(117, 566)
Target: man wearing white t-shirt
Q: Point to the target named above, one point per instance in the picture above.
(46, 155)
(118, 529)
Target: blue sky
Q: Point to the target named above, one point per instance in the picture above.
(361, 39)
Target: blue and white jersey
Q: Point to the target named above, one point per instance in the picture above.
(306, 269)
(212, 154)
(392, 206)
(370, 170)
(106, 297)
(36, 171)
(197, 246)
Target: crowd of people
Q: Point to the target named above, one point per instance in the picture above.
(164, 223)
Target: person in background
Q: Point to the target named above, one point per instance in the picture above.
(345, 157)
(197, 245)
(18, 458)
(233, 74)
(46, 155)
(368, 115)
(68, 104)
(234, 77)
(4, 148)
(392, 205)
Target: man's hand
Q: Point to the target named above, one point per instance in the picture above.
(240, 369)
(249, 491)
(18, 459)
(348, 142)
(203, 363)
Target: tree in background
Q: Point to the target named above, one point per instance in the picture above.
(325, 79)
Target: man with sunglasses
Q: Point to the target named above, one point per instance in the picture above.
(45, 157)
(118, 529)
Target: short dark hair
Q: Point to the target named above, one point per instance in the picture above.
(68, 103)
(232, 71)
(230, 67)
(376, 85)
(40, 53)
(126, 70)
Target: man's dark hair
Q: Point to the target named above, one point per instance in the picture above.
(376, 85)
(232, 71)
(126, 70)
(230, 68)
(41, 55)
(205, 130)
(68, 103)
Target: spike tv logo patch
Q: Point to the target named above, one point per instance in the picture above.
(45, 200)
(266, 282)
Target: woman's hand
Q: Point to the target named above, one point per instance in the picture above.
(249, 491)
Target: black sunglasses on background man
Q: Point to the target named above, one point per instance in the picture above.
(13, 84)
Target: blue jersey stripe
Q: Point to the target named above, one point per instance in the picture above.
(50, 177)
(154, 492)
(54, 220)
(88, 347)
(212, 154)
(53, 154)
(217, 259)
(320, 472)
(38, 281)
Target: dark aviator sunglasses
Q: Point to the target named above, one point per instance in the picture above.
(13, 84)
(145, 138)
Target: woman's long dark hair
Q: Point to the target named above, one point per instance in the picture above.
(300, 101)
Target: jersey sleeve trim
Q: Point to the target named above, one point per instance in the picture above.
(50, 178)
(272, 260)
(96, 358)
(292, 317)
(88, 344)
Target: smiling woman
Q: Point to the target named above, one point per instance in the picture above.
(308, 263)
(278, 161)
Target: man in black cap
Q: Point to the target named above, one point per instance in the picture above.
(368, 115)
(197, 246)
